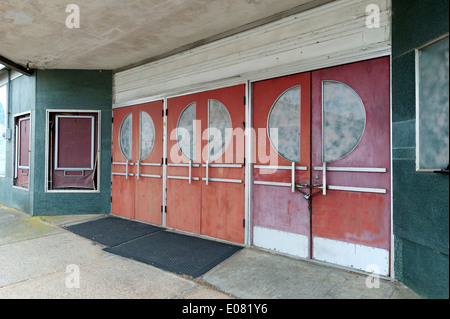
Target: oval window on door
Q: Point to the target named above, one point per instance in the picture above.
(126, 137)
(186, 131)
(344, 120)
(147, 136)
(220, 129)
(283, 124)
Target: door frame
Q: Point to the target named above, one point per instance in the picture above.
(249, 145)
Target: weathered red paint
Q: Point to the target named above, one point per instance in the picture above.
(183, 200)
(123, 189)
(352, 217)
(359, 218)
(216, 209)
(134, 198)
(149, 191)
(223, 204)
(277, 207)
(356, 218)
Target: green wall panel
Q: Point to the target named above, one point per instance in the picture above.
(421, 206)
(421, 200)
(424, 270)
(417, 22)
(73, 90)
(404, 134)
(404, 86)
(22, 99)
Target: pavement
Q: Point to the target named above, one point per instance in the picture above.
(40, 259)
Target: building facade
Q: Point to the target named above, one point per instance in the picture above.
(306, 136)
(33, 104)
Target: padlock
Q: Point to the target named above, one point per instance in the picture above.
(307, 196)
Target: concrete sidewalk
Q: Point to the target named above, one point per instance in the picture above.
(35, 253)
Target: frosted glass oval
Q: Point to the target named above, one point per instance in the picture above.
(344, 120)
(147, 136)
(220, 129)
(284, 125)
(186, 131)
(126, 137)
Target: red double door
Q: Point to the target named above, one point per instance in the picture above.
(137, 168)
(205, 168)
(204, 164)
(322, 172)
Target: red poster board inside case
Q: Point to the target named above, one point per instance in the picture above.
(75, 142)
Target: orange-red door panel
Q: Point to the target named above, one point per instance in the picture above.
(213, 207)
(223, 198)
(184, 198)
(278, 207)
(149, 183)
(356, 217)
(123, 185)
(137, 176)
(281, 217)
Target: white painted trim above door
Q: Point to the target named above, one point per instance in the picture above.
(288, 46)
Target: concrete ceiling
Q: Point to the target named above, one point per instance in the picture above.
(115, 34)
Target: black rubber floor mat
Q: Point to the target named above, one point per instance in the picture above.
(180, 254)
(112, 231)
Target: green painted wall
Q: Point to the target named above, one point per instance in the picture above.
(59, 89)
(22, 99)
(421, 200)
(77, 90)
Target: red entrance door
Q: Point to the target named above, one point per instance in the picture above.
(281, 219)
(205, 171)
(337, 209)
(351, 156)
(137, 181)
(183, 165)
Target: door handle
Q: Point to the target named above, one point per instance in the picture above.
(324, 179)
(293, 177)
(138, 174)
(188, 178)
(207, 173)
(190, 172)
